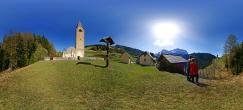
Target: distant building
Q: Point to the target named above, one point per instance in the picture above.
(78, 51)
(146, 59)
(125, 58)
(170, 63)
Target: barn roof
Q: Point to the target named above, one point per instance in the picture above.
(175, 59)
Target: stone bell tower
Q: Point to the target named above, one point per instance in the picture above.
(79, 41)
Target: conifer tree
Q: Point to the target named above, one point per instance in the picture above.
(230, 43)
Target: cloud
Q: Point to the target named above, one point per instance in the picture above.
(163, 43)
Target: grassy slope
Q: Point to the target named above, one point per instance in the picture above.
(67, 85)
(216, 70)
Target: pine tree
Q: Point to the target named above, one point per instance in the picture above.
(236, 59)
(4, 61)
(230, 43)
(21, 54)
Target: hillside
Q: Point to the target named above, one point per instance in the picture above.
(100, 52)
(216, 70)
(117, 48)
(204, 59)
(87, 85)
(130, 50)
(115, 51)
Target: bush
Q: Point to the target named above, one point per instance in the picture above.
(39, 54)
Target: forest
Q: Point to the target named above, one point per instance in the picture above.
(21, 49)
(233, 55)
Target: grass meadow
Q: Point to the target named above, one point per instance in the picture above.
(59, 85)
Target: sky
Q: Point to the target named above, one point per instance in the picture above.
(149, 25)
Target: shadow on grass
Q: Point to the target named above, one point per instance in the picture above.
(100, 66)
(88, 63)
(202, 84)
(85, 63)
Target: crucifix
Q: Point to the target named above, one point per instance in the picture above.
(108, 40)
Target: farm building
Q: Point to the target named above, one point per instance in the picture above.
(170, 63)
(146, 59)
(125, 58)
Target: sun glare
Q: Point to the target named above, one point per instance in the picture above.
(165, 30)
(165, 33)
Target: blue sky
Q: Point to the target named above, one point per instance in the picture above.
(204, 25)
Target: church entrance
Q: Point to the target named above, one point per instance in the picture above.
(78, 57)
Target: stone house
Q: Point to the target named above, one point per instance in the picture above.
(146, 59)
(125, 58)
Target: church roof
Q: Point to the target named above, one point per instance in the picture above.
(70, 49)
(79, 24)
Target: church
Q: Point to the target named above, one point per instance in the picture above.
(76, 52)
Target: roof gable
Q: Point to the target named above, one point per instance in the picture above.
(70, 49)
(126, 54)
(148, 53)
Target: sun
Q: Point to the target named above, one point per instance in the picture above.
(166, 30)
(165, 33)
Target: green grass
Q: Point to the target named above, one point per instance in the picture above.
(67, 85)
(102, 54)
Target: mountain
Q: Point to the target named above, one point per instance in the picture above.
(130, 50)
(166, 52)
(203, 59)
(176, 52)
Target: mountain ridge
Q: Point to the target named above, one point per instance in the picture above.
(177, 52)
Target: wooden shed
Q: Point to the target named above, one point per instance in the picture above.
(170, 63)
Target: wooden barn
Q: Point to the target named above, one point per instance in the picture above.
(125, 58)
(146, 59)
(170, 63)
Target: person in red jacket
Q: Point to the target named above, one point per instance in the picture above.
(194, 70)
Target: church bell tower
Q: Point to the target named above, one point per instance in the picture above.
(79, 41)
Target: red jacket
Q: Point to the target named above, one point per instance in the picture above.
(193, 69)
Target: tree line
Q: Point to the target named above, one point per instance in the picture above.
(233, 55)
(21, 49)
